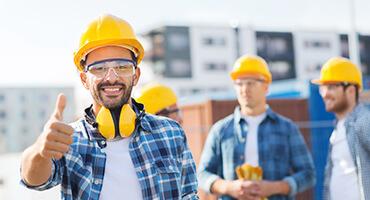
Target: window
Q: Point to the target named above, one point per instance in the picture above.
(157, 50)
(278, 51)
(158, 39)
(218, 89)
(281, 70)
(214, 41)
(159, 67)
(177, 58)
(364, 46)
(312, 68)
(317, 44)
(179, 68)
(2, 114)
(216, 66)
(344, 46)
(178, 41)
(195, 91)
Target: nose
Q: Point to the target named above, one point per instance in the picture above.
(111, 75)
(244, 88)
(323, 92)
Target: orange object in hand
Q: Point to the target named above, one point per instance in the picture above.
(249, 172)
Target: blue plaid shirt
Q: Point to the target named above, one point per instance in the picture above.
(282, 153)
(158, 149)
(358, 138)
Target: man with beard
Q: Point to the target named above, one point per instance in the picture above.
(255, 135)
(161, 100)
(347, 174)
(117, 151)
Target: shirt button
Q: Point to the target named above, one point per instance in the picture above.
(96, 181)
(170, 167)
(103, 142)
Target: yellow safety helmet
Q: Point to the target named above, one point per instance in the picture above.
(156, 97)
(108, 30)
(339, 69)
(251, 65)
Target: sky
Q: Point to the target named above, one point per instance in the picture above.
(38, 37)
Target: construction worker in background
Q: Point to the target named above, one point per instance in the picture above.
(257, 136)
(117, 151)
(347, 174)
(160, 100)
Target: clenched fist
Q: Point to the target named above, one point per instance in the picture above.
(56, 137)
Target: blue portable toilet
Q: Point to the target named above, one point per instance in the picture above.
(322, 124)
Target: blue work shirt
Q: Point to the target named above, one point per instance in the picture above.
(282, 153)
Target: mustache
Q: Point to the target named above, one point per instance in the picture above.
(103, 84)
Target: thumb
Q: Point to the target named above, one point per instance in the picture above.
(60, 106)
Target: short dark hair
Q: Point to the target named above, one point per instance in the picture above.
(357, 90)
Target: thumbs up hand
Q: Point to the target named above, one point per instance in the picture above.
(56, 137)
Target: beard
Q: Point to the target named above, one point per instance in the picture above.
(339, 106)
(108, 102)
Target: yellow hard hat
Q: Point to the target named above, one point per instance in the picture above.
(339, 69)
(156, 97)
(107, 30)
(251, 65)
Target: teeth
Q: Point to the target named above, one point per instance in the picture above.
(112, 89)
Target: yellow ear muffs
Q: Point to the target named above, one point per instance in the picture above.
(105, 123)
(127, 120)
(107, 126)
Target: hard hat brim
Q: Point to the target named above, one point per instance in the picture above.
(81, 53)
(236, 75)
(317, 81)
(322, 82)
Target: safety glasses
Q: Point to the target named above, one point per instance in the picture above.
(249, 82)
(166, 112)
(332, 86)
(122, 67)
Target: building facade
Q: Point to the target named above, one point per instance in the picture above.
(197, 59)
(24, 111)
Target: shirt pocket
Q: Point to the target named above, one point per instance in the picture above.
(278, 147)
(168, 178)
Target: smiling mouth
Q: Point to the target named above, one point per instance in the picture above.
(112, 91)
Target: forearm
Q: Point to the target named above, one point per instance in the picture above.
(220, 187)
(279, 187)
(35, 170)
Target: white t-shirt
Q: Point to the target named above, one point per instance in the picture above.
(251, 148)
(120, 179)
(344, 181)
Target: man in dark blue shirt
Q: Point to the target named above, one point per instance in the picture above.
(256, 135)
